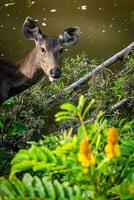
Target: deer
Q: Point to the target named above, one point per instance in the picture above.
(44, 59)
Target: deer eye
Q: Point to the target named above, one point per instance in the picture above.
(43, 50)
(61, 51)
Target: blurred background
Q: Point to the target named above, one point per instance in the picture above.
(106, 25)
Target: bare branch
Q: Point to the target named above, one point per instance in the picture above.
(112, 108)
(119, 104)
(100, 67)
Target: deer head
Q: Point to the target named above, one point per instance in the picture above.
(49, 49)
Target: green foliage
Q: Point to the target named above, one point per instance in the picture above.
(108, 87)
(36, 158)
(9, 101)
(81, 159)
(30, 108)
(5, 159)
(51, 141)
(18, 128)
(70, 111)
(31, 187)
(59, 156)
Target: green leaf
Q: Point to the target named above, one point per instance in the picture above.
(58, 190)
(81, 103)
(39, 153)
(49, 189)
(98, 140)
(49, 154)
(9, 101)
(64, 113)
(20, 127)
(7, 189)
(68, 191)
(27, 180)
(22, 166)
(42, 166)
(38, 187)
(65, 118)
(20, 156)
(69, 107)
(18, 186)
(31, 153)
(88, 108)
(77, 191)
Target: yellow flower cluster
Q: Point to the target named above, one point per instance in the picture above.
(85, 155)
(112, 149)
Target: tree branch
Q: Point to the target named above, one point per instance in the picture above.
(112, 108)
(119, 104)
(100, 67)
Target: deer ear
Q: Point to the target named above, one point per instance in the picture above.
(31, 29)
(70, 36)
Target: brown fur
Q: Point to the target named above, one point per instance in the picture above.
(16, 76)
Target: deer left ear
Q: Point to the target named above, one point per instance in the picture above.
(31, 29)
(70, 36)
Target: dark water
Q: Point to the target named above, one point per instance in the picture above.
(106, 25)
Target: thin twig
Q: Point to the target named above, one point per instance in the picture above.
(119, 104)
(112, 108)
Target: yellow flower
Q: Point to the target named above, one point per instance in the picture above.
(84, 147)
(85, 155)
(112, 149)
(112, 135)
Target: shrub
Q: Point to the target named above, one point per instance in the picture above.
(99, 160)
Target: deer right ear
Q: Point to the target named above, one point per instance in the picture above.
(70, 36)
(31, 29)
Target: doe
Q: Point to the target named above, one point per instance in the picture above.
(45, 57)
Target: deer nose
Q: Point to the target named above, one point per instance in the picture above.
(55, 73)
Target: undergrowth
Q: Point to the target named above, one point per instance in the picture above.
(96, 163)
(28, 116)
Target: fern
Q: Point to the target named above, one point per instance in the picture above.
(71, 111)
(80, 159)
(36, 158)
(40, 158)
(34, 187)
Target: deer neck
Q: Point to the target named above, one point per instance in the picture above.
(29, 66)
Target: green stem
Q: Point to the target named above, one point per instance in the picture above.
(122, 174)
(82, 124)
(102, 163)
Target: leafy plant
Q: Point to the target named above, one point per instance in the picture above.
(34, 187)
(18, 128)
(82, 154)
(95, 159)
(36, 158)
